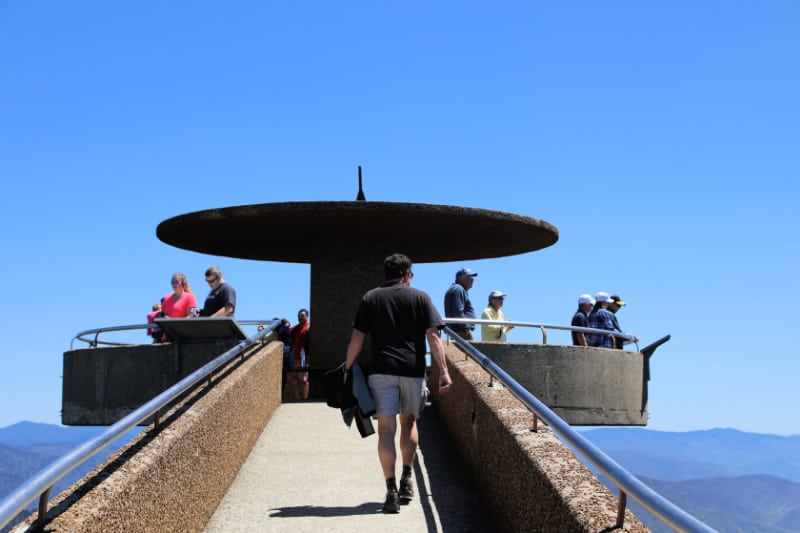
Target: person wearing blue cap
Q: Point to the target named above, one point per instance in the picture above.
(457, 303)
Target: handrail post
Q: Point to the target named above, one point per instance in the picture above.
(41, 516)
(623, 503)
(544, 334)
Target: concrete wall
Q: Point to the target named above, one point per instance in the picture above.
(582, 385)
(531, 480)
(102, 385)
(178, 473)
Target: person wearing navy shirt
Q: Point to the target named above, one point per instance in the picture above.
(457, 303)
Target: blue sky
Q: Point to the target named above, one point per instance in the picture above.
(661, 138)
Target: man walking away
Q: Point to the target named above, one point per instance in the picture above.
(399, 319)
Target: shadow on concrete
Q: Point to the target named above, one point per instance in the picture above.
(311, 510)
(451, 489)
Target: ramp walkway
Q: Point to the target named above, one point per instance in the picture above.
(310, 472)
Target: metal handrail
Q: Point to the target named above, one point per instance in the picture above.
(40, 484)
(544, 327)
(660, 507)
(97, 331)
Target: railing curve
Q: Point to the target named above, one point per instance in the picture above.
(81, 336)
(544, 327)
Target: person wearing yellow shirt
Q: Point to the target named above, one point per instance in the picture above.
(494, 332)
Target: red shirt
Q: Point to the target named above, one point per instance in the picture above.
(179, 308)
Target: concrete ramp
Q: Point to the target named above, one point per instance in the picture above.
(310, 472)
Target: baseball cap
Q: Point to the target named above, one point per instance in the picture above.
(602, 297)
(617, 299)
(497, 294)
(466, 272)
(586, 299)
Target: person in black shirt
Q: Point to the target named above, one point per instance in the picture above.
(221, 301)
(399, 319)
(585, 304)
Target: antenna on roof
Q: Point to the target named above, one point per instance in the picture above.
(360, 197)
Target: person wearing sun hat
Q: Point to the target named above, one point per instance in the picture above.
(601, 318)
(494, 332)
(457, 303)
(585, 304)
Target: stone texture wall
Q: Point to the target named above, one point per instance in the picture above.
(172, 478)
(530, 480)
(584, 386)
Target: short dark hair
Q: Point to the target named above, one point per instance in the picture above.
(395, 266)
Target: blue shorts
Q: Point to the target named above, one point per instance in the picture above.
(395, 395)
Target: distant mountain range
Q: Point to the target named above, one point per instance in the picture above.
(729, 479)
(27, 447)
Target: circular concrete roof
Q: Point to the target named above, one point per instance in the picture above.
(425, 232)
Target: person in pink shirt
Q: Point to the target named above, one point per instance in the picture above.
(181, 300)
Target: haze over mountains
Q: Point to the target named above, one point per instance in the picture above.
(729, 479)
(27, 447)
(732, 480)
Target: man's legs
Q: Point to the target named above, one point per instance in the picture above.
(387, 428)
(409, 440)
(387, 454)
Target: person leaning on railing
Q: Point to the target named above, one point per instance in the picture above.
(615, 303)
(494, 332)
(600, 318)
(580, 319)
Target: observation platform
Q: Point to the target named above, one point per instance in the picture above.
(229, 456)
(222, 453)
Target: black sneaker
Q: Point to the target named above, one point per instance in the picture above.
(392, 503)
(406, 488)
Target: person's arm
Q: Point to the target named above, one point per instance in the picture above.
(226, 310)
(581, 339)
(353, 348)
(437, 354)
(192, 303)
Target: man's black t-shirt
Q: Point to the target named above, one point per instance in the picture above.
(218, 298)
(579, 320)
(396, 317)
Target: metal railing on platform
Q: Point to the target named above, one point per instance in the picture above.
(92, 336)
(628, 484)
(544, 327)
(40, 484)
